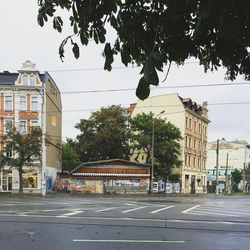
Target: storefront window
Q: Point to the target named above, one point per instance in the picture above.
(30, 179)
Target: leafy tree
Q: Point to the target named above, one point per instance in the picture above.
(236, 179)
(154, 33)
(166, 142)
(104, 135)
(22, 150)
(247, 175)
(70, 158)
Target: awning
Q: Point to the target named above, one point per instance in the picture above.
(106, 174)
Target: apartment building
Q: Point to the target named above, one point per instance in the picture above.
(192, 120)
(231, 155)
(30, 98)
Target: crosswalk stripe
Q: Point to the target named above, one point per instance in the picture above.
(161, 209)
(105, 209)
(186, 211)
(70, 214)
(133, 209)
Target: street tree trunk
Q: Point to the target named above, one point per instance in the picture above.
(20, 171)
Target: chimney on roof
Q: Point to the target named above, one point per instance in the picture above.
(6, 72)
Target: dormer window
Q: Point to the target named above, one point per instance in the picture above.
(32, 80)
(25, 80)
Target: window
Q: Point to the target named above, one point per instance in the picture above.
(194, 143)
(25, 79)
(190, 123)
(34, 103)
(199, 128)
(8, 103)
(32, 80)
(186, 121)
(22, 127)
(186, 141)
(33, 123)
(194, 161)
(194, 125)
(23, 103)
(185, 160)
(189, 142)
(198, 162)
(189, 160)
(30, 179)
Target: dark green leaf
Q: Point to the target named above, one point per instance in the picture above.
(143, 89)
(76, 51)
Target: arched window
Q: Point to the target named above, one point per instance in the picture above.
(25, 80)
(32, 80)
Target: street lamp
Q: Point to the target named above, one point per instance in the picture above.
(152, 153)
(226, 178)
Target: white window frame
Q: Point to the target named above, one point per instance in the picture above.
(20, 130)
(32, 80)
(32, 107)
(34, 123)
(6, 120)
(25, 79)
(10, 101)
(23, 107)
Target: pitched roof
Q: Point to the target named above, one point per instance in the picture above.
(108, 162)
(7, 78)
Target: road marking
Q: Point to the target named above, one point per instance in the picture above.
(105, 209)
(69, 214)
(131, 219)
(161, 209)
(131, 241)
(186, 211)
(133, 209)
(223, 211)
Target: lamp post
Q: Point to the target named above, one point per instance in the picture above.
(226, 177)
(152, 153)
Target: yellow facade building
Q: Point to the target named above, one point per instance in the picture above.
(192, 120)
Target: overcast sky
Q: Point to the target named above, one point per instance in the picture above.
(22, 39)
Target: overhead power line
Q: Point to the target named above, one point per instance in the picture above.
(102, 68)
(155, 88)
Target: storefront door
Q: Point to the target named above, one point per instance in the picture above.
(6, 181)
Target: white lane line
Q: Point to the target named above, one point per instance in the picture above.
(69, 214)
(133, 209)
(186, 211)
(131, 241)
(227, 211)
(105, 209)
(161, 209)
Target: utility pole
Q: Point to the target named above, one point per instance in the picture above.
(217, 167)
(226, 179)
(152, 153)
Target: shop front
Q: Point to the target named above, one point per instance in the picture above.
(9, 180)
(109, 176)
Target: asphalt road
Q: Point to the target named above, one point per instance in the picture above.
(73, 222)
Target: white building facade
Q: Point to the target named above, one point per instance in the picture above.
(26, 100)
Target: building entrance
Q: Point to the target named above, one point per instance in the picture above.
(5, 181)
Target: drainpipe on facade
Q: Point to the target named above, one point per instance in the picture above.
(43, 123)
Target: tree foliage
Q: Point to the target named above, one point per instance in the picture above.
(104, 135)
(22, 150)
(70, 158)
(154, 33)
(166, 142)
